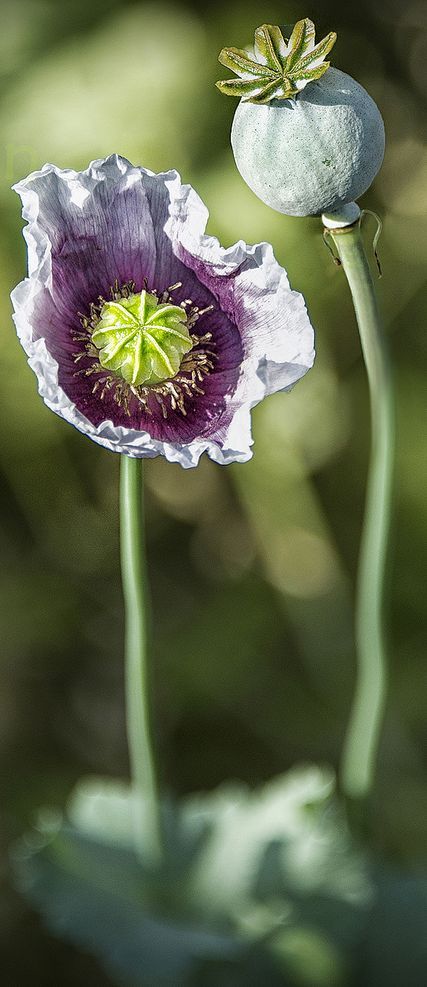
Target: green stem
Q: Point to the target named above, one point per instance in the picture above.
(148, 835)
(364, 728)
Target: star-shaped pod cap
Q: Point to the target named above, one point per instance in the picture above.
(276, 68)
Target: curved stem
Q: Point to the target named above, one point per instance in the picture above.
(148, 835)
(363, 733)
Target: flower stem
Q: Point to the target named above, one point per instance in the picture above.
(148, 836)
(364, 728)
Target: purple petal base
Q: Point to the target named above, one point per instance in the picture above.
(114, 223)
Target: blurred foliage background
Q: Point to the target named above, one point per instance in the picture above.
(252, 567)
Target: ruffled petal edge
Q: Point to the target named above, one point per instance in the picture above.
(264, 370)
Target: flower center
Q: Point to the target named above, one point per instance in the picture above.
(139, 348)
(141, 339)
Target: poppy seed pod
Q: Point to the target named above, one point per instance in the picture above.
(307, 139)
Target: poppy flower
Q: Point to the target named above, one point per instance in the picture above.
(144, 332)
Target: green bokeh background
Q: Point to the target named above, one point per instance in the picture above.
(252, 567)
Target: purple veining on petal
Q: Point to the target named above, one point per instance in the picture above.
(272, 318)
(116, 222)
(54, 321)
(169, 268)
(203, 411)
(111, 236)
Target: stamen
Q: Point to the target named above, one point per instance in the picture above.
(170, 394)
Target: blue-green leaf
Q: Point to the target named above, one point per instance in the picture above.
(99, 897)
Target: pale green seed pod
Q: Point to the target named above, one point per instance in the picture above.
(312, 154)
(318, 148)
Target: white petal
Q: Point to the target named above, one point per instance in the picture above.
(277, 334)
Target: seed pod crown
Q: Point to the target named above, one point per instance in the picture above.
(276, 68)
